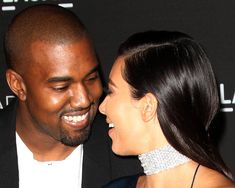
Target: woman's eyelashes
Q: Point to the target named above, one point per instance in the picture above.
(107, 91)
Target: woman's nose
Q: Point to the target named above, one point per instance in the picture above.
(102, 106)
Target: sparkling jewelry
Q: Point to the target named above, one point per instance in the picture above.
(161, 159)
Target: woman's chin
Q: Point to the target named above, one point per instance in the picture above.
(122, 152)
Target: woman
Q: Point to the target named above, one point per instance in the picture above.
(162, 97)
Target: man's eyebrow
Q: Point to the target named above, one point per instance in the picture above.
(95, 69)
(68, 78)
(59, 79)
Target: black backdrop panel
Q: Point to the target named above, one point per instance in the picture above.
(110, 22)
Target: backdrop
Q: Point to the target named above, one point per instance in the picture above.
(109, 22)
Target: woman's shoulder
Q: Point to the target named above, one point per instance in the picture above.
(123, 182)
(211, 178)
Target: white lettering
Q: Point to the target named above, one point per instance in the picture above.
(15, 1)
(226, 109)
(233, 98)
(8, 8)
(8, 1)
(223, 100)
(66, 5)
(9, 97)
(1, 107)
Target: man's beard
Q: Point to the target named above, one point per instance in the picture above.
(74, 141)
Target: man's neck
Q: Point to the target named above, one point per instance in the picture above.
(45, 151)
(43, 146)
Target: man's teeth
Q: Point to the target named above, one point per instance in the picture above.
(111, 125)
(75, 118)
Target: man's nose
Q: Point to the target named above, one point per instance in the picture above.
(79, 97)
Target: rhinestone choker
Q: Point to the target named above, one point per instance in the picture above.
(161, 159)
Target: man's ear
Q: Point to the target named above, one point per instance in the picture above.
(149, 107)
(16, 84)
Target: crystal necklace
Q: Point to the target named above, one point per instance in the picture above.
(161, 159)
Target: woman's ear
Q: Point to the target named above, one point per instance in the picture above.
(149, 107)
(16, 84)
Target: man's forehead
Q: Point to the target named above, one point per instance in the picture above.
(81, 49)
(59, 57)
(55, 43)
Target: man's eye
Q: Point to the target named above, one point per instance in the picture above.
(92, 77)
(61, 88)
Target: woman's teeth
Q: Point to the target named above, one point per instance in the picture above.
(111, 125)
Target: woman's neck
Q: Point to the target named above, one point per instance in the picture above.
(161, 159)
(180, 176)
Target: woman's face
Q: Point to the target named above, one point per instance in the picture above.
(124, 114)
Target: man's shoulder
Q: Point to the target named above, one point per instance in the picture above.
(124, 182)
(7, 121)
(99, 124)
(98, 134)
(8, 113)
(9, 109)
(100, 119)
(8, 154)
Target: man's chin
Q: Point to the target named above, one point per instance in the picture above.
(75, 140)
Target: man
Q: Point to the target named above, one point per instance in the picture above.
(45, 138)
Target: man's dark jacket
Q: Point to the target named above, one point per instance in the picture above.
(100, 165)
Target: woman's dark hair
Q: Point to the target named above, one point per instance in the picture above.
(175, 68)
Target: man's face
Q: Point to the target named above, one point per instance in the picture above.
(63, 88)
